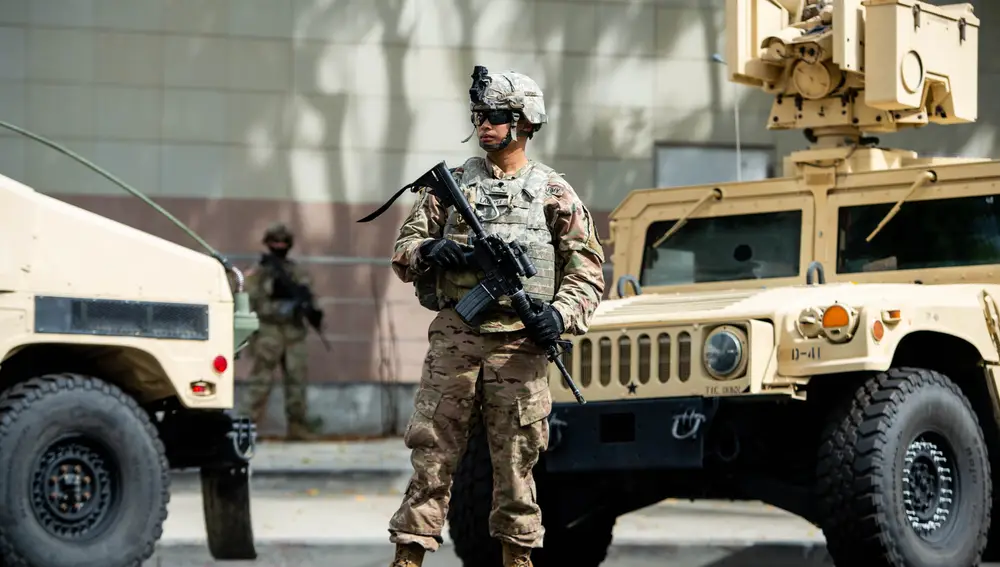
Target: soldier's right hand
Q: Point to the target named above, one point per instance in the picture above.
(443, 252)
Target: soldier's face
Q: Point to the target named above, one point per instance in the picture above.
(492, 125)
(278, 247)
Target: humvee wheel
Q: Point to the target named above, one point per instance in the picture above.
(903, 478)
(585, 545)
(83, 476)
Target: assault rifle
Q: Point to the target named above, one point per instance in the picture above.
(301, 295)
(503, 263)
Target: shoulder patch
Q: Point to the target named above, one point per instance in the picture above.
(556, 184)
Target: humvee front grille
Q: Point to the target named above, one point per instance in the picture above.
(600, 359)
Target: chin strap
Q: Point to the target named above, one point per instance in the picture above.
(473, 133)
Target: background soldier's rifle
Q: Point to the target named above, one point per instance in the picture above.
(302, 297)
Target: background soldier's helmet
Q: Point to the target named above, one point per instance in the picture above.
(507, 90)
(278, 232)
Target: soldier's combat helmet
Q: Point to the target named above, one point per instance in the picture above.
(504, 98)
(278, 232)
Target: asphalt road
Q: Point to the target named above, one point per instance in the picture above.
(315, 528)
(323, 519)
(619, 556)
(322, 528)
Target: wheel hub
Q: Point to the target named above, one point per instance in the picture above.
(928, 486)
(71, 489)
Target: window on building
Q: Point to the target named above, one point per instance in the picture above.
(688, 164)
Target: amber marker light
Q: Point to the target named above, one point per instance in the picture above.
(836, 316)
(878, 330)
(891, 316)
(838, 323)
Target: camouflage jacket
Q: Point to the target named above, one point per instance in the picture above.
(260, 282)
(579, 252)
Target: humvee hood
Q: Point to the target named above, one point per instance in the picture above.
(56, 248)
(707, 306)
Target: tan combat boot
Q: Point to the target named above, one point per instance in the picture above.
(307, 430)
(516, 556)
(408, 555)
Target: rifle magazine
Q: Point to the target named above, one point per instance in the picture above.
(473, 303)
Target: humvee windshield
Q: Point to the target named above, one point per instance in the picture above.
(724, 248)
(936, 233)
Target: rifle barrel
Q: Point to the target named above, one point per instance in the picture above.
(557, 360)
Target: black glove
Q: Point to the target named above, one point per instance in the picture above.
(443, 252)
(545, 325)
(314, 316)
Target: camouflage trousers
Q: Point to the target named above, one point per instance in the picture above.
(275, 346)
(503, 376)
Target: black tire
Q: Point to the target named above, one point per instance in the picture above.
(71, 420)
(911, 424)
(585, 545)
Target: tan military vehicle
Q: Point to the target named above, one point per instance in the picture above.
(116, 366)
(827, 341)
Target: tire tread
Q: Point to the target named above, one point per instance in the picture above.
(849, 467)
(19, 399)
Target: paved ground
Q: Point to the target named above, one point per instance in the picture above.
(619, 556)
(332, 456)
(379, 466)
(328, 519)
(314, 501)
(307, 529)
(326, 504)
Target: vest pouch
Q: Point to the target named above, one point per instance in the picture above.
(425, 289)
(455, 284)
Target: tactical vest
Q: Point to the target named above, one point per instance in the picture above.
(514, 210)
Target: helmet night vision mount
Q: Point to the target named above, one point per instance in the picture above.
(838, 68)
(480, 80)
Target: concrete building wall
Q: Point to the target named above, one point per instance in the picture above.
(234, 113)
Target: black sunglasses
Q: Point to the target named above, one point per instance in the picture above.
(495, 117)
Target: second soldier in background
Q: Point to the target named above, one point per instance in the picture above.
(279, 292)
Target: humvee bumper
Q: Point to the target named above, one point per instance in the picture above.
(221, 445)
(629, 435)
(213, 439)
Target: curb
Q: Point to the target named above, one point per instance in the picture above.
(362, 480)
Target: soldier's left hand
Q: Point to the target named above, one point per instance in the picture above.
(315, 317)
(545, 324)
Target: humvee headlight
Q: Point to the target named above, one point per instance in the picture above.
(724, 352)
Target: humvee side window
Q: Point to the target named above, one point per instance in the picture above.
(727, 248)
(936, 233)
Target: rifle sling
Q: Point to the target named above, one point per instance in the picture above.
(378, 212)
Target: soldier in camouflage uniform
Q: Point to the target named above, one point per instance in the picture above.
(498, 368)
(281, 340)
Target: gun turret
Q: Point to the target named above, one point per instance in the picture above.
(841, 67)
